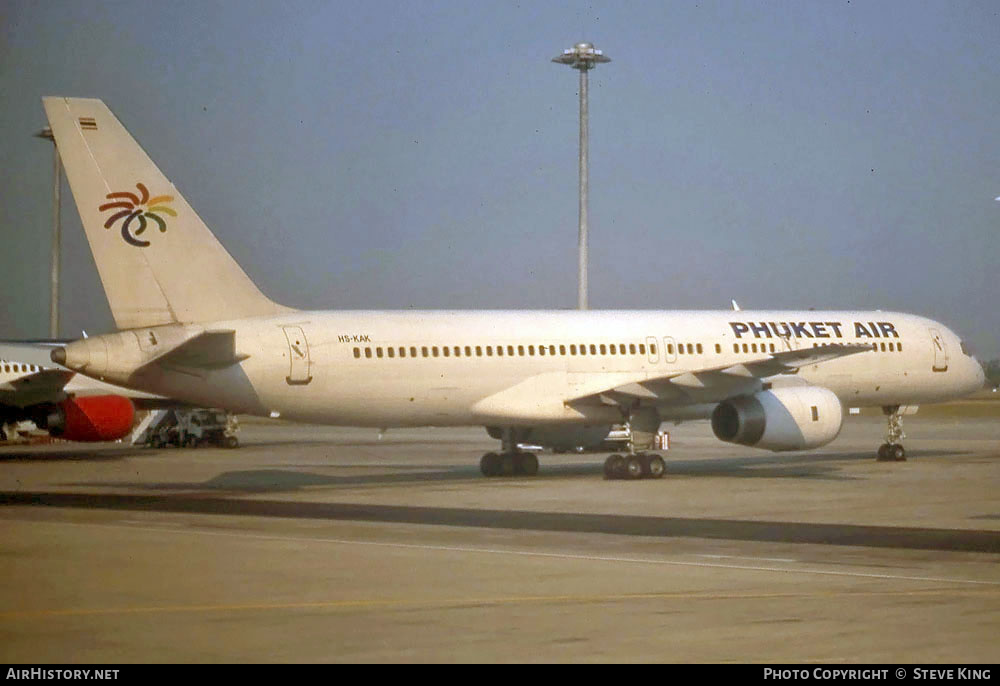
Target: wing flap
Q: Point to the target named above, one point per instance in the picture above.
(713, 383)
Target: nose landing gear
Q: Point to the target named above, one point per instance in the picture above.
(892, 450)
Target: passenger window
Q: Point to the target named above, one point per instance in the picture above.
(562, 349)
(402, 351)
(593, 349)
(357, 352)
(892, 348)
(368, 353)
(699, 348)
(531, 350)
(718, 349)
(642, 348)
(631, 348)
(746, 348)
(510, 350)
(899, 347)
(652, 348)
(479, 351)
(815, 413)
(391, 351)
(604, 350)
(423, 351)
(613, 348)
(520, 350)
(445, 351)
(670, 348)
(736, 347)
(883, 347)
(468, 351)
(413, 351)
(772, 347)
(552, 350)
(572, 349)
(378, 352)
(541, 350)
(434, 350)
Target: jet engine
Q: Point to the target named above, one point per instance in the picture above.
(794, 418)
(90, 418)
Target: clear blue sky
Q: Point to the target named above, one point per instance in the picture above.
(423, 154)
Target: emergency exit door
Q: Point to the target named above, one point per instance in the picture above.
(298, 355)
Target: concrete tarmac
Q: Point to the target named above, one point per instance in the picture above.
(318, 544)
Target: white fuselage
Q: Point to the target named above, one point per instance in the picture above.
(373, 368)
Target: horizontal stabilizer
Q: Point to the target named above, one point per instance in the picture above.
(207, 350)
(43, 386)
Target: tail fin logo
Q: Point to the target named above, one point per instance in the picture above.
(136, 209)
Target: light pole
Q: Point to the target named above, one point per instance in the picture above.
(582, 57)
(46, 133)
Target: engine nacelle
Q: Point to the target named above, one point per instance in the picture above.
(558, 437)
(91, 418)
(795, 418)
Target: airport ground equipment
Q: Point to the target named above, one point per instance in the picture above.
(188, 428)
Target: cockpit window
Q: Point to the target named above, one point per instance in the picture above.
(965, 349)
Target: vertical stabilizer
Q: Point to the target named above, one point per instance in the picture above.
(158, 261)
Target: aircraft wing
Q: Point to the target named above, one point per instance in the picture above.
(715, 383)
(43, 386)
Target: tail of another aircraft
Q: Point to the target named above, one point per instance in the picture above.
(158, 261)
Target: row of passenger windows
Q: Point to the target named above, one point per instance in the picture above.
(508, 350)
(18, 368)
(892, 347)
(572, 349)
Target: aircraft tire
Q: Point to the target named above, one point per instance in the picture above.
(526, 463)
(633, 467)
(614, 467)
(489, 464)
(654, 467)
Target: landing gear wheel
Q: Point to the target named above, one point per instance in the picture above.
(191, 442)
(232, 442)
(633, 467)
(883, 453)
(896, 453)
(526, 463)
(654, 466)
(489, 465)
(614, 467)
(508, 464)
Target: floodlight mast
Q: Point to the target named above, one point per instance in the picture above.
(583, 57)
(46, 134)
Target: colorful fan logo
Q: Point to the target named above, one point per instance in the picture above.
(135, 210)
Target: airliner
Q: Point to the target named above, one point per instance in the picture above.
(65, 404)
(193, 326)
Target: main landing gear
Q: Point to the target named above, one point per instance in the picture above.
(634, 466)
(637, 465)
(892, 450)
(510, 461)
(509, 464)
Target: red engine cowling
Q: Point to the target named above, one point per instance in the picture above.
(92, 418)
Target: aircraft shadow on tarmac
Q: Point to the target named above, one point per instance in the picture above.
(288, 478)
(41, 456)
(981, 541)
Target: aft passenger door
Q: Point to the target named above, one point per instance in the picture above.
(298, 355)
(940, 352)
